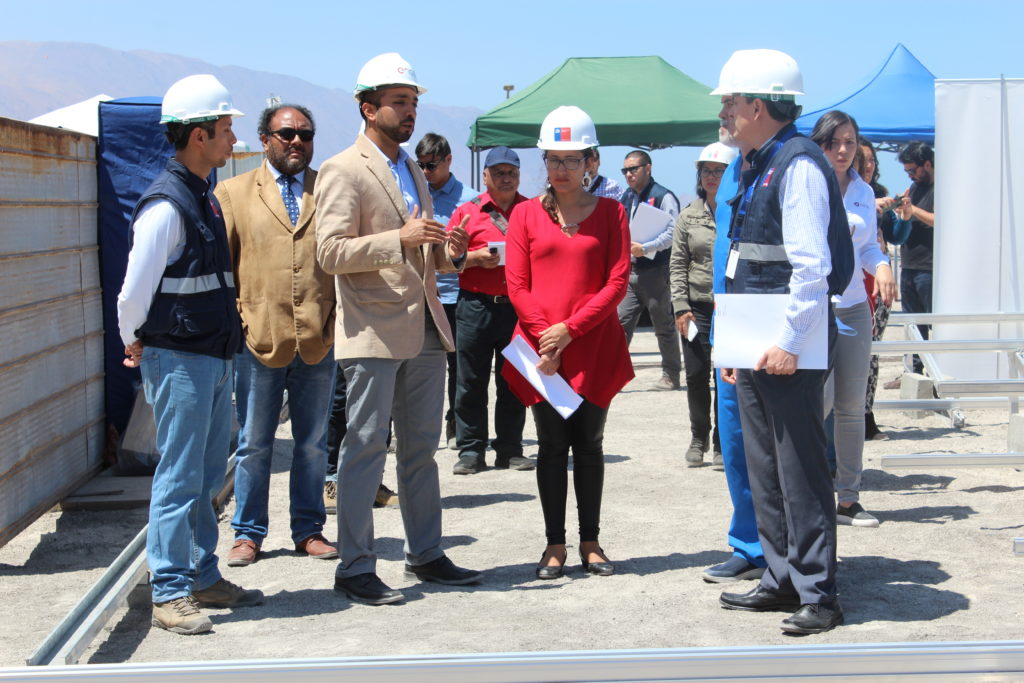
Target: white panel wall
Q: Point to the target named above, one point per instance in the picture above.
(979, 204)
(51, 325)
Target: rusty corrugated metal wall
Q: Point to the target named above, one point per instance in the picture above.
(51, 327)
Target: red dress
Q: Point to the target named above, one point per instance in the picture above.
(578, 280)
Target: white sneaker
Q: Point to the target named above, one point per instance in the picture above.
(855, 515)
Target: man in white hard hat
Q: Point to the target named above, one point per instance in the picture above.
(649, 276)
(179, 323)
(287, 306)
(376, 233)
(789, 235)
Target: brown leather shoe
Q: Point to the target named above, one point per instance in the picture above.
(242, 553)
(317, 546)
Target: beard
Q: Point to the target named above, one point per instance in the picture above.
(726, 138)
(288, 164)
(396, 133)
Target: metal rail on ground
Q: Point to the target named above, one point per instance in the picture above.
(72, 636)
(989, 661)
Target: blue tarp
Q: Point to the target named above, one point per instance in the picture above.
(130, 152)
(895, 104)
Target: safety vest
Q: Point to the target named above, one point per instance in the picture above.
(194, 307)
(756, 229)
(653, 194)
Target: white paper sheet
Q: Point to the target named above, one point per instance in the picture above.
(553, 388)
(747, 325)
(647, 223)
(691, 331)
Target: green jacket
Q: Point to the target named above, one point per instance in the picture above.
(690, 266)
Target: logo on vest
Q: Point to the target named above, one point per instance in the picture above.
(768, 177)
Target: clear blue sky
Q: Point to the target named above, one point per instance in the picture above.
(464, 52)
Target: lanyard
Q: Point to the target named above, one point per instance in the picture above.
(756, 176)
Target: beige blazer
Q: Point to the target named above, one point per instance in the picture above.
(285, 298)
(383, 290)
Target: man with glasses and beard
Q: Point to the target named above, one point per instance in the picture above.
(377, 235)
(287, 305)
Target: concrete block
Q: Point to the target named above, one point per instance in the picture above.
(916, 386)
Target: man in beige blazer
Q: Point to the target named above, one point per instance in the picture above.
(376, 234)
(286, 301)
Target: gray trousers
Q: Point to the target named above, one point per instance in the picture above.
(649, 288)
(844, 391)
(412, 392)
(784, 440)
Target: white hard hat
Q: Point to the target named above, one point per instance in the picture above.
(717, 152)
(567, 128)
(197, 98)
(760, 72)
(384, 70)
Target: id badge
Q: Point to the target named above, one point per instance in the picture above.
(730, 266)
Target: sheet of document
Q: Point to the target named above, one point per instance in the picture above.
(553, 388)
(500, 247)
(747, 325)
(647, 223)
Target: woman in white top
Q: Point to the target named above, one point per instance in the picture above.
(836, 133)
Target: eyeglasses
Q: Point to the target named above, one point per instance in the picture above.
(712, 172)
(514, 173)
(428, 165)
(632, 169)
(288, 134)
(569, 163)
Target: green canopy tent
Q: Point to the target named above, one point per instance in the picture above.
(635, 101)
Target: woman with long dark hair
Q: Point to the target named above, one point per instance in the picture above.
(567, 266)
(837, 134)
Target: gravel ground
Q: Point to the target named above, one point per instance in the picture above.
(940, 566)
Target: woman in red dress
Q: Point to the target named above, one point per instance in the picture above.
(567, 265)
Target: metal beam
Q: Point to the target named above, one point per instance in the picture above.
(945, 346)
(954, 318)
(953, 460)
(940, 403)
(1018, 546)
(990, 661)
(75, 632)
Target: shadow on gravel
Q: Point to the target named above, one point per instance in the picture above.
(994, 488)
(479, 500)
(655, 564)
(83, 539)
(874, 588)
(879, 480)
(927, 514)
(924, 433)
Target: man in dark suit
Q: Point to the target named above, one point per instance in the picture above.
(287, 305)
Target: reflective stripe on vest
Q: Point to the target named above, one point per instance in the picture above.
(762, 252)
(195, 285)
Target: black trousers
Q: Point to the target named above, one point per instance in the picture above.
(484, 329)
(699, 374)
(790, 481)
(584, 433)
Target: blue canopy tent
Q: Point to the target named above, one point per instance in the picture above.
(896, 104)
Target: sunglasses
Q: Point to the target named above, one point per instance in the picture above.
(288, 134)
(632, 169)
(428, 165)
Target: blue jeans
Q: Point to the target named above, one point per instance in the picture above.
(743, 528)
(191, 399)
(259, 392)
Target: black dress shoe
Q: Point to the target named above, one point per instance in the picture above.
(758, 599)
(598, 568)
(367, 589)
(548, 572)
(442, 570)
(814, 618)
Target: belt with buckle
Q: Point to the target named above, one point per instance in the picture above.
(489, 298)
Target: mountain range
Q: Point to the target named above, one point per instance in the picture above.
(38, 77)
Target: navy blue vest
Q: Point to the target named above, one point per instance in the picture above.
(653, 194)
(194, 307)
(756, 228)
